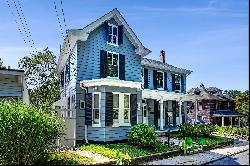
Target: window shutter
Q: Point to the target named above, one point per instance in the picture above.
(120, 34)
(106, 29)
(133, 109)
(88, 109)
(174, 112)
(109, 109)
(145, 78)
(121, 67)
(173, 82)
(156, 111)
(103, 64)
(155, 79)
(165, 81)
(166, 112)
(182, 83)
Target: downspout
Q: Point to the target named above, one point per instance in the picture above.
(85, 126)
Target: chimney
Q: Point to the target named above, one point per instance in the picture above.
(162, 56)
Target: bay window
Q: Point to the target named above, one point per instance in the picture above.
(113, 65)
(121, 109)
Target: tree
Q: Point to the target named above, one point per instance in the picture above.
(1, 64)
(242, 106)
(231, 93)
(41, 78)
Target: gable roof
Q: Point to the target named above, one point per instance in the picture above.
(164, 66)
(73, 35)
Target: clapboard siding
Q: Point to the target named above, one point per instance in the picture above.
(89, 56)
(10, 86)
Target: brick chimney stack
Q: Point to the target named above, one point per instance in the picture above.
(162, 56)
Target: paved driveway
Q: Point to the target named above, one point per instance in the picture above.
(205, 157)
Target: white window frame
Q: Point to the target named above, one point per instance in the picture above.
(179, 82)
(99, 122)
(163, 83)
(80, 104)
(121, 111)
(113, 44)
(112, 64)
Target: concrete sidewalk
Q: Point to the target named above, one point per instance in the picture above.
(205, 157)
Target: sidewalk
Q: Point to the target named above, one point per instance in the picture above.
(205, 157)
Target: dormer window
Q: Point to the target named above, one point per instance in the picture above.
(113, 65)
(113, 34)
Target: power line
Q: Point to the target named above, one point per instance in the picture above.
(63, 16)
(20, 6)
(18, 27)
(21, 20)
(58, 19)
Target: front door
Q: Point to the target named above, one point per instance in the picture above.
(145, 113)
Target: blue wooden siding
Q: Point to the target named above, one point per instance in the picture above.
(88, 67)
(169, 79)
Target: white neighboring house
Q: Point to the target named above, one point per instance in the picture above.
(12, 84)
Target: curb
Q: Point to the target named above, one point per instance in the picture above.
(223, 157)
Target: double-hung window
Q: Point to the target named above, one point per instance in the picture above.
(160, 80)
(121, 109)
(96, 108)
(113, 34)
(177, 82)
(113, 65)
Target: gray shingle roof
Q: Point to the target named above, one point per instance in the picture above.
(163, 66)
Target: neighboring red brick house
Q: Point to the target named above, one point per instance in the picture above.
(213, 107)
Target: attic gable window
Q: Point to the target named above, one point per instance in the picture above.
(113, 65)
(113, 34)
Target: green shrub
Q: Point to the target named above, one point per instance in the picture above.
(142, 135)
(64, 158)
(196, 130)
(201, 142)
(25, 132)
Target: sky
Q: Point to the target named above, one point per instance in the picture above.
(209, 37)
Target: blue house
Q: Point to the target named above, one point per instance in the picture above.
(107, 85)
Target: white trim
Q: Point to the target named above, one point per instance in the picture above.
(110, 82)
(112, 25)
(99, 124)
(112, 62)
(121, 111)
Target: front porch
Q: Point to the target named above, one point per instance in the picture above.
(163, 109)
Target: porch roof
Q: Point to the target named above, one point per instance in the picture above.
(220, 113)
(110, 82)
(158, 95)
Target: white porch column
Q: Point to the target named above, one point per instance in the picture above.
(161, 114)
(231, 119)
(180, 116)
(222, 121)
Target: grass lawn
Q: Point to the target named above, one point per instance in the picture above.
(214, 140)
(65, 158)
(126, 150)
